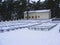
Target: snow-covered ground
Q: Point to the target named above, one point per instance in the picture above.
(26, 36)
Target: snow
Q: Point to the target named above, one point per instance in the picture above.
(40, 11)
(26, 36)
(43, 26)
(15, 24)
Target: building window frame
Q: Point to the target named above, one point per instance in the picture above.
(32, 16)
(35, 17)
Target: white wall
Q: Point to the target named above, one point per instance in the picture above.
(43, 15)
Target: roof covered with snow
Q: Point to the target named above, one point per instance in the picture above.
(34, 11)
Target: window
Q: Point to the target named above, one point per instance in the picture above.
(32, 16)
(38, 16)
(26, 17)
(29, 17)
(35, 16)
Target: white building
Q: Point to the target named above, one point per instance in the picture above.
(38, 14)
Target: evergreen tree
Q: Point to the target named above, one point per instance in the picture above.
(51, 5)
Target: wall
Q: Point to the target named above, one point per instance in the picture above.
(42, 15)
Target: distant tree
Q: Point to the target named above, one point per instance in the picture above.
(57, 8)
(4, 11)
(36, 5)
(51, 5)
(21, 8)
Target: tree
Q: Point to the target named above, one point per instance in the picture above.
(51, 5)
(57, 8)
(36, 5)
(4, 11)
(21, 8)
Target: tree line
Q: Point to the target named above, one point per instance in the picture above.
(12, 10)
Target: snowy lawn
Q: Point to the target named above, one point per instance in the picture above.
(12, 25)
(25, 36)
(44, 26)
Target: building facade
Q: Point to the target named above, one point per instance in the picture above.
(38, 14)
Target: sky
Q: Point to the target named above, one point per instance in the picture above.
(33, 0)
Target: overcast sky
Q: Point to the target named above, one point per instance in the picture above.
(33, 0)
